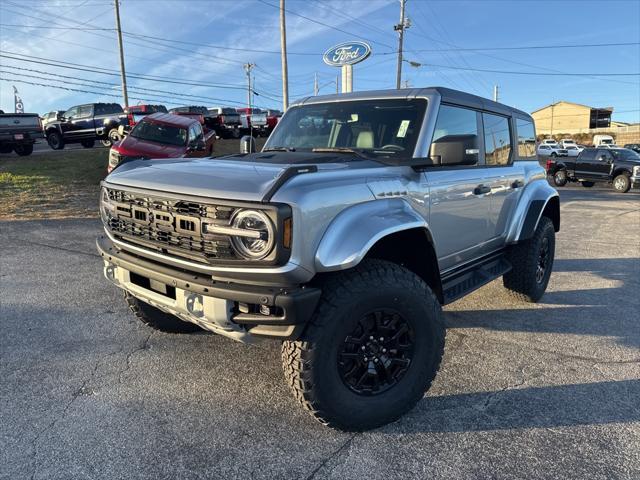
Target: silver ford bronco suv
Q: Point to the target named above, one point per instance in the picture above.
(362, 216)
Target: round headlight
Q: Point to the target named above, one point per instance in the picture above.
(253, 247)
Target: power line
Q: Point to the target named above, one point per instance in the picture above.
(105, 71)
(532, 47)
(312, 20)
(97, 83)
(102, 93)
(113, 73)
(554, 74)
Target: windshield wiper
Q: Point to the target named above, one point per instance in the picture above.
(279, 149)
(359, 153)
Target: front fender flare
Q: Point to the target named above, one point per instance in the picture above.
(356, 229)
(536, 198)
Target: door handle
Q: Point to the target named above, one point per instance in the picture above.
(517, 184)
(481, 189)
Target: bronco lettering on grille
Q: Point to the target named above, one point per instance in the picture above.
(188, 225)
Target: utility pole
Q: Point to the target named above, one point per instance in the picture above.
(495, 93)
(315, 84)
(283, 54)
(123, 75)
(400, 28)
(247, 68)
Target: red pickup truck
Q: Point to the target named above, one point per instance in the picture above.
(163, 135)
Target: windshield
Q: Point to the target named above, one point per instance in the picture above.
(624, 154)
(381, 128)
(606, 141)
(160, 133)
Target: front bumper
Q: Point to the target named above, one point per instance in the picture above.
(635, 181)
(229, 309)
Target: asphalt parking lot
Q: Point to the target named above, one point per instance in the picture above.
(526, 391)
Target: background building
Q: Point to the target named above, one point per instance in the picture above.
(568, 117)
(581, 122)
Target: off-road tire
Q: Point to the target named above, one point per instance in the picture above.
(55, 140)
(622, 183)
(560, 178)
(88, 143)
(157, 319)
(587, 184)
(24, 150)
(310, 364)
(521, 280)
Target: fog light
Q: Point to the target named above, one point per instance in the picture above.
(195, 305)
(110, 272)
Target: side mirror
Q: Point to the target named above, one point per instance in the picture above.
(455, 150)
(197, 146)
(247, 144)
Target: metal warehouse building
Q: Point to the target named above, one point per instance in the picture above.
(568, 117)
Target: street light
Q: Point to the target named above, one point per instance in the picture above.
(412, 63)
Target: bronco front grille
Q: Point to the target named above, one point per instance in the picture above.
(170, 226)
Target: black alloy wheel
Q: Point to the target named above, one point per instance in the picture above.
(376, 355)
(543, 260)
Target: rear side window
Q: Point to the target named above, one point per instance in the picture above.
(107, 108)
(526, 139)
(588, 154)
(497, 139)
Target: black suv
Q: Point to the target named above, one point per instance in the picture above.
(617, 166)
(85, 124)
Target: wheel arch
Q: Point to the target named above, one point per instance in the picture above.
(388, 229)
(620, 171)
(538, 199)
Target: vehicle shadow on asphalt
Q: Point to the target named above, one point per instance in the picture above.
(531, 407)
(606, 312)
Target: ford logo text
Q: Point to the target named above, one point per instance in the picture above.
(348, 53)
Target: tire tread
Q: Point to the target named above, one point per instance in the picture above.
(298, 356)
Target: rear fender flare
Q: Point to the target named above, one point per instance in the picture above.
(537, 198)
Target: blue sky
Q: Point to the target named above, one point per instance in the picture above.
(210, 29)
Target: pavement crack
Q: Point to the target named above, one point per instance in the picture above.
(583, 358)
(144, 345)
(56, 247)
(345, 445)
(74, 395)
(491, 396)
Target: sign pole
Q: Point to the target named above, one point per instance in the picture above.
(347, 78)
(345, 55)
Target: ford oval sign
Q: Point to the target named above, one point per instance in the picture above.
(348, 53)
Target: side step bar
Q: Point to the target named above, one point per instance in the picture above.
(459, 283)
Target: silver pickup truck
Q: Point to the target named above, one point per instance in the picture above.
(363, 215)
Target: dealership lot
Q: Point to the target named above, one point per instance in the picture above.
(526, 391)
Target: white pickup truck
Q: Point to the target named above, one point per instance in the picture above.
(253, 119)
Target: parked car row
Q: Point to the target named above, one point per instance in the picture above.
(109, 122)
